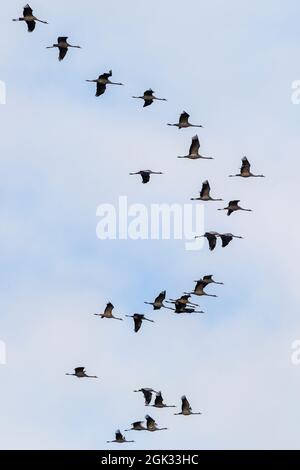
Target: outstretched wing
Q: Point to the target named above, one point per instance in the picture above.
(150, 421)
(108, 309)
(226, 239)
(207, 279)
(148, 92)
(137, 424)
(119, 435)
(27, 11)
(185, 406)
(212, 241)
(205, 189)
(161, 297)
(101, 87)
(62, 39)
(62, 53)
(145, 177)
(79, 370)
(147, 103)
(184, 118)
(30, 26)
(137, 323)
(158, 399)
(245, 168)
(148, 396)
(199, 286)
(195, 145)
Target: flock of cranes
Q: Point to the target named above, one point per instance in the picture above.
(182, 304)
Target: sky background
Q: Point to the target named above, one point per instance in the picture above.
(63, 152)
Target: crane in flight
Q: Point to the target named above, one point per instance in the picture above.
(29, 18)
(149, 97)
(184, 121)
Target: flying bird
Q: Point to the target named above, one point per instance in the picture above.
(211, 238)
(137, 426)
(233, 206)
(145, 174)
(227, 238)
(138, 320)
(184, 121)
(148, 97)
(29, 18)
(158, 302)
(63, 45)
(186, 408)
(102, 81)
(205, 193)
(199, 289)
(119, 438)
(80, 373)
(159, 402)
(183, 308)
(194, 150)
(183, 300)
(152, 425)
(147, 392)
(245, 170)
(208, 279)
(108, 312)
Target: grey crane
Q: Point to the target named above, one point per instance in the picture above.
(245, 170)
(205, 193)
(233, 206)
(108, 312)
(186, 409)
(80, 373)
(159, 402)
(211, 238)
(183, 300)
(184, 121)
(194, 151)
(147, 392)
(227, 238)
(138, 320)
(63, 46)
(29, 18)
(137, 426)
(152, 425)
(102, 81)
(145, 174)
(200, 285)
(158, 301)
(149, 97)
(119, 438)
(208, 279)
(183, 308)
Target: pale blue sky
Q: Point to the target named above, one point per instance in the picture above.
(63, 152)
